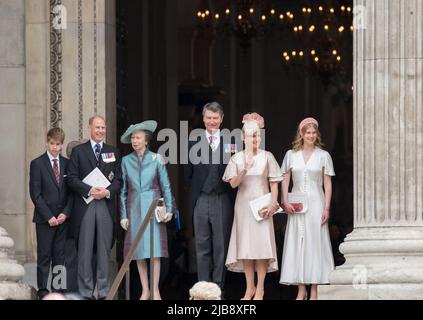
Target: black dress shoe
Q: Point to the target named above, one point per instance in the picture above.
(42, 293)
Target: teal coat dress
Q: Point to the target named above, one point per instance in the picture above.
(144, 178)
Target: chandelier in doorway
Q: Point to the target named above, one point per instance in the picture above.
(245, 19)
(315, 35)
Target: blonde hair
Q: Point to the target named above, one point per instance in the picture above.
(249, 128)
(97, 116)
(298, 143)
(204, 290)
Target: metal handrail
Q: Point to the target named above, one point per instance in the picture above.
(125, 266)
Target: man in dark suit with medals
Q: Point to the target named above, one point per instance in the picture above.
(93, 222)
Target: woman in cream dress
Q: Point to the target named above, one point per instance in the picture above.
(252, 245)
(307, 253)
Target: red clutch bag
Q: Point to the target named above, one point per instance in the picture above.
(298, 207)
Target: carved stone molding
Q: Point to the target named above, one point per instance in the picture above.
(95, 56)
(55, 65)
(80, 80)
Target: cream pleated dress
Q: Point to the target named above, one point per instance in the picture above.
(252, 239)
(307, 253)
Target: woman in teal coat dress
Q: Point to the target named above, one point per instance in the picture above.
(144, 178)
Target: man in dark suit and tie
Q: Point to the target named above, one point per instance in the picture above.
(93, 224)
(53, 203)
(211, 198)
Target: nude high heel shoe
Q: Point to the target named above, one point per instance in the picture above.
(251, 296)
(303, 298)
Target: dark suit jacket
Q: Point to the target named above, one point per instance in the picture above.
(81, 163)
(49, 198)
(196, 174)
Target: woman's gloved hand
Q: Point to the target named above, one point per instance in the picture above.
(124, 223)
(167, 217)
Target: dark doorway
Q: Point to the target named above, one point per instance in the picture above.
(169, 65)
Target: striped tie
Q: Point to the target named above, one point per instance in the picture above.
(56, 171)
(97, 150)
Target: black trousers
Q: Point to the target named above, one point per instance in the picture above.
(50, 250)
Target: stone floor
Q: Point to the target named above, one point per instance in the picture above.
(30, 277)
(176, 288)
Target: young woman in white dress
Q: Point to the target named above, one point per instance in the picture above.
(307, 255)
(252, 246)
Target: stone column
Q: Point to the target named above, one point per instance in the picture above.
(88, 66)
(70, 76)
(11, 272)
(12, 157)
(12, 121)
(384, 253)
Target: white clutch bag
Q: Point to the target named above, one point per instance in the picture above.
(261, 203)
(299, 201)
(160, 211)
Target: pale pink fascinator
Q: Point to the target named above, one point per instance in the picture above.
(307, 121)
(254, 117)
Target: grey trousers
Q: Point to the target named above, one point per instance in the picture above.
(96, 227)
(213, 216)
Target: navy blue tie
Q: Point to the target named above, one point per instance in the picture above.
(97, 149)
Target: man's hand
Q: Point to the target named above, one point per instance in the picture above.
(53, 222)
(99, 193)
(61, 218)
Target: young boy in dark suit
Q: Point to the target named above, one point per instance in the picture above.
(53, 203)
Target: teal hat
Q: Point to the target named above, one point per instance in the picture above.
(148, 125)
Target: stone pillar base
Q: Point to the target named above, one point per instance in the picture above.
(16, 291)
(381, 263)
(11, 273)
(386, 291)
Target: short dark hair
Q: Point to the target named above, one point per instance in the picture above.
(56, 134)
(213, 107)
